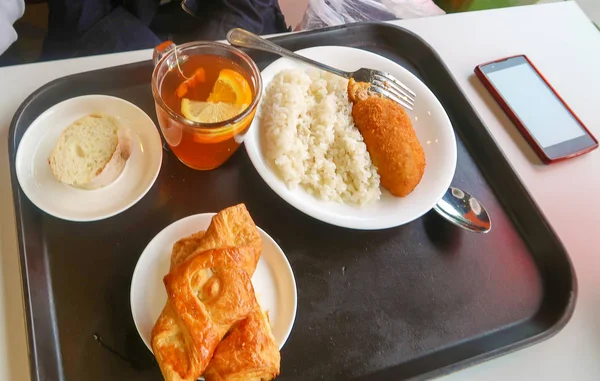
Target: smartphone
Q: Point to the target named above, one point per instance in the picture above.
(540, 114)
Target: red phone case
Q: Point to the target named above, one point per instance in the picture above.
(517, 121)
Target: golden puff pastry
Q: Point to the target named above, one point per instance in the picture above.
(230, 227)
(189, 328)
(184, 248)
(206, 296)
(248, 352)
(243, 257)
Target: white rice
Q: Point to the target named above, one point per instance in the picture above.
(311, 139)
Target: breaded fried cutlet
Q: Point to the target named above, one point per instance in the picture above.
(390, 139)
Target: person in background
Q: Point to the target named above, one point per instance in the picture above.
(87, 27)
(10, 11)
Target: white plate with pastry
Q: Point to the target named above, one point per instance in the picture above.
(89, 158)
(273, 279)
(307, 144)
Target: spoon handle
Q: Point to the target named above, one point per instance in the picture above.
(244, 39)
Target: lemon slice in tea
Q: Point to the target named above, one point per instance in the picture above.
(209, 112)
(231, 87)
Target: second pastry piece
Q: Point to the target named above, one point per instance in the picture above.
(249, 351)
(207, 295)
(231, 227)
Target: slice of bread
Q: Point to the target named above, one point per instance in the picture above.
(90, 153)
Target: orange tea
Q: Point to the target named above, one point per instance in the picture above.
(208, 103)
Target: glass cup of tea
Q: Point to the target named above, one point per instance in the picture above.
(206, 95)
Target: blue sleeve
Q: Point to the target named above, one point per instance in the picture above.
(80, 28)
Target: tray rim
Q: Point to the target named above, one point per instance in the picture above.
(34, 357)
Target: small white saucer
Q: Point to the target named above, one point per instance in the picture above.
(70, 203)
(273, 280)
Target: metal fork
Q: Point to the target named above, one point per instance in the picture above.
(381, 82)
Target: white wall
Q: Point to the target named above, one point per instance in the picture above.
(591, 8)
(294, 9)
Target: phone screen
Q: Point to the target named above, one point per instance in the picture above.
(536, 105)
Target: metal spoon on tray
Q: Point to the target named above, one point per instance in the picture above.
(462, 209)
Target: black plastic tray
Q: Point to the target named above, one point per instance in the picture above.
(416, 301)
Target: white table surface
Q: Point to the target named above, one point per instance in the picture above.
(563, 44)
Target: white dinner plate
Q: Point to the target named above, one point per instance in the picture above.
(70, 203)
(432, 126)
(273, 280)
